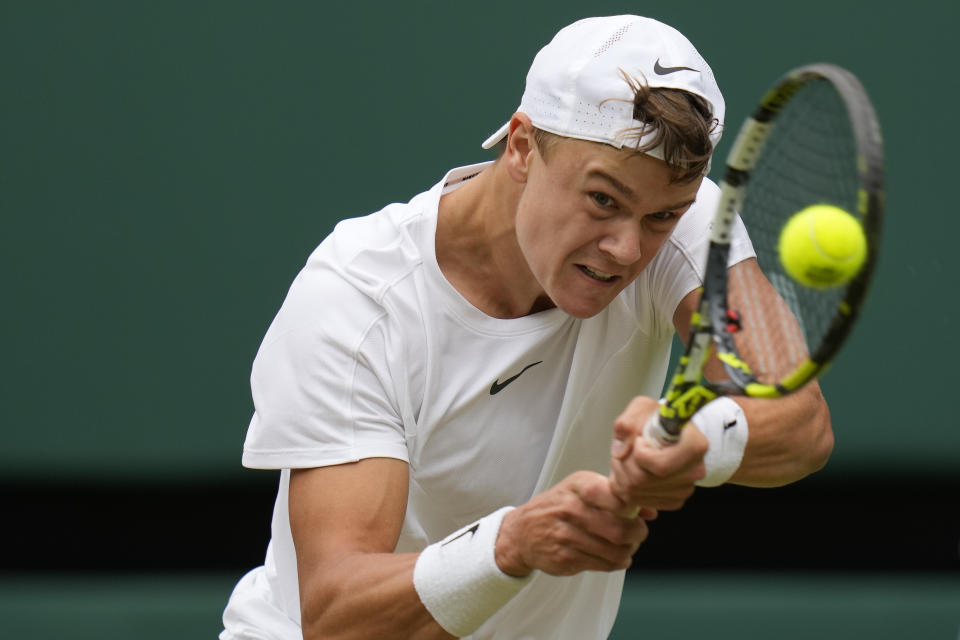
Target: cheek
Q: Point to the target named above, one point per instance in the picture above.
(538, 216)
(651, 243)
(531, 229)
(550, 239)
(550, 228)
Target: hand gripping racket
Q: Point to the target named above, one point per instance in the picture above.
(813, 139)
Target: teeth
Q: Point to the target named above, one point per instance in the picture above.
(599, 275)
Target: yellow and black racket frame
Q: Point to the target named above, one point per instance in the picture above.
(713, 325)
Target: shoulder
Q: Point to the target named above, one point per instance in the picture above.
(373, 251)
(344, 289)
(693, 229)
(329, 380)
(691, 237)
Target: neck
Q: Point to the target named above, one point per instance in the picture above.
(477, 250)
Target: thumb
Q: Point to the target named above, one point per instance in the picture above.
(629, 425)
(619, 448)
(622, 441)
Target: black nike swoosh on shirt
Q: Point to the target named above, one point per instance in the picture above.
(498, 386)
(665, 71)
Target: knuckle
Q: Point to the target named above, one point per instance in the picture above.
(621, 427)
(621, 560)
(564, 535)
(581, 482)
(642, 532)
(626, 421)
(619, 533)
(570, 505)
(579, 477)
(573, 481)
(699, 471)
(657, 467)
(700, 447)
(565, 556)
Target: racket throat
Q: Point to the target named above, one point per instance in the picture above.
(681, 403)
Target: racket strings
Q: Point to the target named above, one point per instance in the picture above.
(770, 340)
(809, 158)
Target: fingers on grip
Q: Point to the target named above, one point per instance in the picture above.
(656, 435)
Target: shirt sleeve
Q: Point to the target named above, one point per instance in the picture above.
(679, 266)
(321, 380)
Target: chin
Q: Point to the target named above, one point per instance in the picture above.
(586, 315)
(581, 309)
(583, 298)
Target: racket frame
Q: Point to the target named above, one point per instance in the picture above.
(712, 325)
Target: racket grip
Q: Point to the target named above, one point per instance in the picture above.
(656, 435)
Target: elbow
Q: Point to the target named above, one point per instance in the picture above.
(823, 447)
(312, 622)
(819, 438)
(800, 444)
(317, 610)
(810, 445)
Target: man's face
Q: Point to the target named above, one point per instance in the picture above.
(591, 217)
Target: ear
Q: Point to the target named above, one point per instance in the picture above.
(521, 147)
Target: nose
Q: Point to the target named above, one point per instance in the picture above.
(622, 243)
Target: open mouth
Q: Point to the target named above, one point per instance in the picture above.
(600, 276)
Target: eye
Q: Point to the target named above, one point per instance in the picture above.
(663, 216)
(602, 199)
(662, 220)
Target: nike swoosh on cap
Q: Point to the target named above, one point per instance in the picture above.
(665, 71)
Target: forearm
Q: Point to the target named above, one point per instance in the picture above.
(365, 595)
(789, 438)
(352, 587)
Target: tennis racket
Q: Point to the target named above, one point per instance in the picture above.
(813, 139)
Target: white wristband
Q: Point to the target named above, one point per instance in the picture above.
(723, 423)
(458, 579)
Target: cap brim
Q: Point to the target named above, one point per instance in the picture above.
(498, 135)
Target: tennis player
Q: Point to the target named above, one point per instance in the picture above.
(455, 387)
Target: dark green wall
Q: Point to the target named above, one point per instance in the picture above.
(166, 167)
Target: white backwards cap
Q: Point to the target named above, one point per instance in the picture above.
(575, 86)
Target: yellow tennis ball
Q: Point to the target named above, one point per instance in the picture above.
(822, 246)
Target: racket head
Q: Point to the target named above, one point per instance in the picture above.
(813, 139)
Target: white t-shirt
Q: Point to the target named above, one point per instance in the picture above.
(375, 354)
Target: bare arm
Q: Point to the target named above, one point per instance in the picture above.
(346, 521)
(790, 437)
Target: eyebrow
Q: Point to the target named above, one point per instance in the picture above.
(616, 184)
(628, 192)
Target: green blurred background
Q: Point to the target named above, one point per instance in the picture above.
(166, 168)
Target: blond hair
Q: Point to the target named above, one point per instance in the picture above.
(678, 123)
